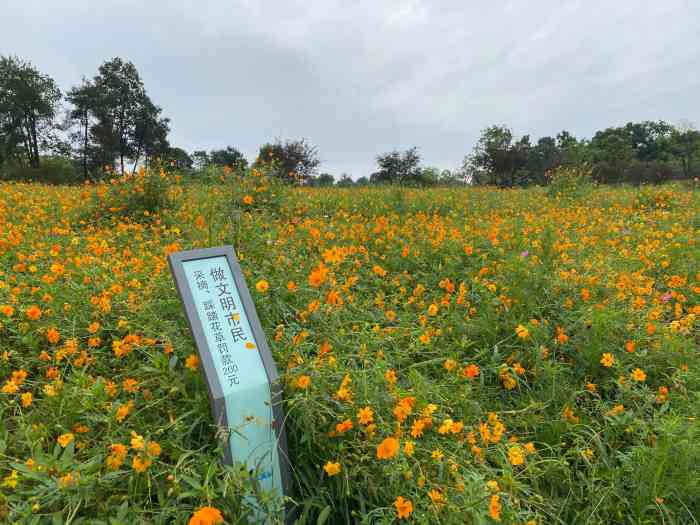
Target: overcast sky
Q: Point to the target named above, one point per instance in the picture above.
(358, 78)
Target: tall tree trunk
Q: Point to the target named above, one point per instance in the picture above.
(85, 145)
(35, 142)
(136, 160)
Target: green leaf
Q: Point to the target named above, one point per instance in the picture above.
(324, 515)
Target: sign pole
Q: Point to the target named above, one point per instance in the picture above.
(242, 379)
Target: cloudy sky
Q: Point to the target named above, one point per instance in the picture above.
(358, 78)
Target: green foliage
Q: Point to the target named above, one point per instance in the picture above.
(398, 168)
(138, 195)
(292, 161)
(28, 103)
(430, 281)
(570, 183)
(51, 170)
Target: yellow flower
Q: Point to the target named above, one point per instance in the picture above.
(365, 416)
(303, 382)
(516, 455)
(10, 481)
(26, 399)
(569, 415)
(332, 468)
(140, 464)
(638, 375)
(153, 448)
(137, 441)
(607, 360)
(10, 387)
(192, 362)
(65, 439)
(492, 485)
(262, 286)
(436, 497)
(123, 411)
(522, 332)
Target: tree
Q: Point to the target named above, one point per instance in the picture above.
(498, 159)
(291, 161)
(324, 179)
(28, 103)
(200, 159)
(179, 158)
(150, 132)
(685, 145)
(128, 123)
(612, 154)
(543, 157)
(84, 100)
(397, 168)
(651, 141)
(345, 181)
(228, 157)
(572, 152)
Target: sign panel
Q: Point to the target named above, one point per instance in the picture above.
(241, 376)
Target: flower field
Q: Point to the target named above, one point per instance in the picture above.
(452, 355)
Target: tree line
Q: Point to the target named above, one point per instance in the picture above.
(112, 125)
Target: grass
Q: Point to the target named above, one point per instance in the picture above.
(472, 323)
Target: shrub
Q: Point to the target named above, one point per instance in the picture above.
(53, 170)
(144, 193)
(569, 182)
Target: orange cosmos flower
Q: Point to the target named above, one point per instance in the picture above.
(7, 310)
(344, 426)
(495, 507)
(33, 313)
(140, 464)
(388, 448)
(303, 382)
(404, 507)
(638, 375)
(470, 371)
(65, 439)
(192, 362)
(206, 516)
(449, 364)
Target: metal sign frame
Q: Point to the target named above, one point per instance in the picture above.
(216, 394)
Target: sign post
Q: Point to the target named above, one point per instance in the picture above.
(243, 383)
